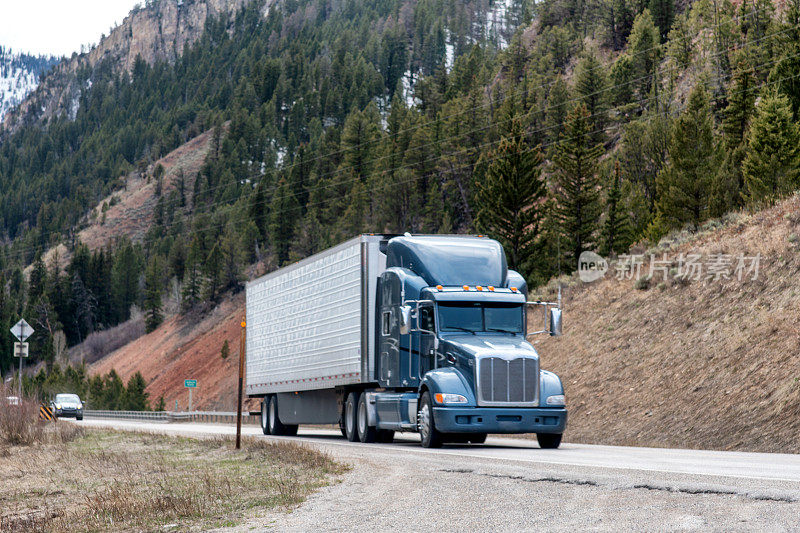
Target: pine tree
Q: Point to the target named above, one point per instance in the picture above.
(258, 210)
(37, 283)
(784, 75)
(193, 277)
(213, 270)
(158, 175)
(84, 308)
(160, 405)
(772, 160)
(663, 12)
(644, 53)
(557, 108)
(96, 393)
(728, 186)
(114, 394)
(226, 350)
(284, 210)
(615, 233)
(136, 399)
(125, 280)
(590, 87)
(684, 184)
(153, 315)
(509, 196)
(578, 196)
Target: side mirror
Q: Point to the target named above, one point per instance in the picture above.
(405, 319)
(555, 322)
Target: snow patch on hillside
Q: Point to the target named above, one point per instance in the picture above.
(499, 27)
(19, 75)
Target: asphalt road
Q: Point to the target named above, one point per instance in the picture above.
(512, 485)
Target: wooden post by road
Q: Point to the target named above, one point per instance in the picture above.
(241, 378)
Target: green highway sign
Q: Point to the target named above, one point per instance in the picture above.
(190, 383)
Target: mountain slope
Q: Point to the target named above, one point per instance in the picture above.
(703, 364)
(158, 32)
(19, 75)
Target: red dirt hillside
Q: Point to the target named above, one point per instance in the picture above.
(186, 348)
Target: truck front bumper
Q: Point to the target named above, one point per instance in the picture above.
(500, 419)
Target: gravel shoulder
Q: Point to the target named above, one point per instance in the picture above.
(385, 491)
(512, 485)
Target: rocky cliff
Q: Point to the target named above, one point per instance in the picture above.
(157, 32)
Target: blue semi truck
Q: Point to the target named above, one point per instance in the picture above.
(412, 333)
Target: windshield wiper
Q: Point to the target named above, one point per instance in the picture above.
(459, 328)
(501, 330)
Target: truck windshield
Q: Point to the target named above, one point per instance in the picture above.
(474, 317)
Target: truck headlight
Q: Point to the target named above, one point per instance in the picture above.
(58, 406)
(556, 399)
(449, 398)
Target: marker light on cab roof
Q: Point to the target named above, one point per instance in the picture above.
(439, 287)
(513, 289)
(465, 287)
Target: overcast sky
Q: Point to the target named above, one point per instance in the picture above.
(58, 27)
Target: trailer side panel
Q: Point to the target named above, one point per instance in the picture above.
(306, 322)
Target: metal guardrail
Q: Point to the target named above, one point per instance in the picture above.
(173, 416)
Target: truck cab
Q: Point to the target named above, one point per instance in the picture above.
(452, 357)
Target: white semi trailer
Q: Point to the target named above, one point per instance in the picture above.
(401, 333)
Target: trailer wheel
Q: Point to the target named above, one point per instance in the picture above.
(264, 424)
(430, 436)
(366, 433)
(350, 415)
(276, 427)
(549, 440)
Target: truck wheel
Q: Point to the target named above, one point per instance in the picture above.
(477, 438)
(264, 424)
(276, 427)
(385, 436)
(78, 417)
(430, 436)
(350, 414)
(366, 433)
(549, 440)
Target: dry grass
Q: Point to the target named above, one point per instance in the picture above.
(127, 481)
(686, 363)
(20, 424)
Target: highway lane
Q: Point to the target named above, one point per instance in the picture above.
(756, 466)
(507, 483)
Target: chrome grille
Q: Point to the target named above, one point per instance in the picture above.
(508, 382)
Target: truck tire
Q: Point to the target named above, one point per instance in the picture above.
(276, 427)
(350, 415)
(366, 433)
(549, 440)
(264, 424)
(429, 435)
(78, 417)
